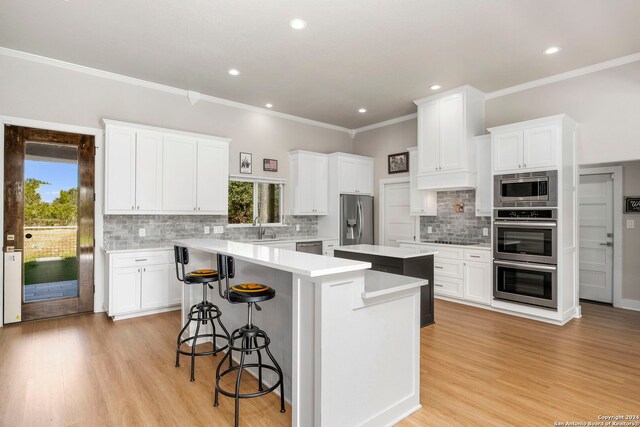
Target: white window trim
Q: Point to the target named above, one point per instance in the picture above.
(259, 180)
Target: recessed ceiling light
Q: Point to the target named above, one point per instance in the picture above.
(552, 50)
(269, 105)
(435, 87)
(233, 72)
(362, 110)
(298, 24)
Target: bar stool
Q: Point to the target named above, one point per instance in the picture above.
(201, 313)
(251, 338)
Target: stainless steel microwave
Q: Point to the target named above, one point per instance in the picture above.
(532, 189)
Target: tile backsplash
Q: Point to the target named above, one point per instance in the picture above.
(451, 225)
(121, 231)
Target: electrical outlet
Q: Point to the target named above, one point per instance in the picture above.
(207, 230)
(218, 229)
(297, 227)
(631, 223)
(429, 230)
(141, 232)
(485, 231)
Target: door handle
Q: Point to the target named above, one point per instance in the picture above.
(606, 244)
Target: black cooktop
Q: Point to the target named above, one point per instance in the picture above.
(449, 242)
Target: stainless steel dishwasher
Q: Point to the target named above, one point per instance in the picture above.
(310, 247)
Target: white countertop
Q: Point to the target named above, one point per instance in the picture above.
(294, 262)
(386, 251)
(128, 251)
(482, 246)
(291, 240)
(378, 283)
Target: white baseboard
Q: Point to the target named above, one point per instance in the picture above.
(145, 313)
(630, 304)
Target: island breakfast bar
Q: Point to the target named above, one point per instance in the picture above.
(347, 338)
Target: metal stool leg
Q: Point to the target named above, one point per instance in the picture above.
(255, 343)
(193, 346)
(178, 342)
(275, 364)
(237, 398)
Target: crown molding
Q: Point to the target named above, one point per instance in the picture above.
(623, 60)
(162, 88)
(386, 123)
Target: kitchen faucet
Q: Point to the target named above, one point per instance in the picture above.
(261, 231)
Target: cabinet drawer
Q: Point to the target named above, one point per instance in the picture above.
(477, 255)
(448, 268)
(448, 286)
(142, 259)
(447, 252)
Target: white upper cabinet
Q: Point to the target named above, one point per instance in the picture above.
(212, 180)
(540, 147)
(484, 179)
(529, 146)
(155, 170)
(446, 125)
(355, 174)
(452, 135)
(309, 183)
(428, 130)
(179, 174)
(421, 202)
(148, 171)
(121, 170)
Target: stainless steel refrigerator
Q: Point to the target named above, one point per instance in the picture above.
(356, 220)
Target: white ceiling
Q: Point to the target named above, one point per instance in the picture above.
(377, 54)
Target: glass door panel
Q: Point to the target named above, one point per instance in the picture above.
(50, 221)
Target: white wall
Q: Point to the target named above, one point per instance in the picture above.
(36, 91)
(379, 143)
(43, 92)
(606, 104)
(631, 249)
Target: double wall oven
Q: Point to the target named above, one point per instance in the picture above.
(525, 243)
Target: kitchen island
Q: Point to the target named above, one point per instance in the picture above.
(347, 338)
(411, 262)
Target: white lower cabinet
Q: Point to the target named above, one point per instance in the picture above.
(155, 287)
(124, 290)
(328, 247)
(477, 282)
(460, 273)
(141, 283)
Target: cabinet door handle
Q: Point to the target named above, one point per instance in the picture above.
(474, 256)
(144, 269)
(141, 259)
(138, 270)
(133, 208)
(519, 166)
(525, 165)
(438, 285)
(439, 267)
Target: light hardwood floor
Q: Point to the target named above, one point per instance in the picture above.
(478, 368)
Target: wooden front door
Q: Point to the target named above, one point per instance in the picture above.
(17, 141)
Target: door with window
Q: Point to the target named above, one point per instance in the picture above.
(49, 219)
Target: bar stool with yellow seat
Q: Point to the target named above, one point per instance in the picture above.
(201, 313)
(250, 337)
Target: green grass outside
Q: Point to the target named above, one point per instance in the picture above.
(50, 271)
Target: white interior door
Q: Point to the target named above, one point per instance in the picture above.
(398, 223)
(596, 237)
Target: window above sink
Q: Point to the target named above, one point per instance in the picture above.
(251, 197)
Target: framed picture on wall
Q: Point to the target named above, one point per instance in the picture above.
(270, 165)
(246, 163)
(399, 162)
(632, 205)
